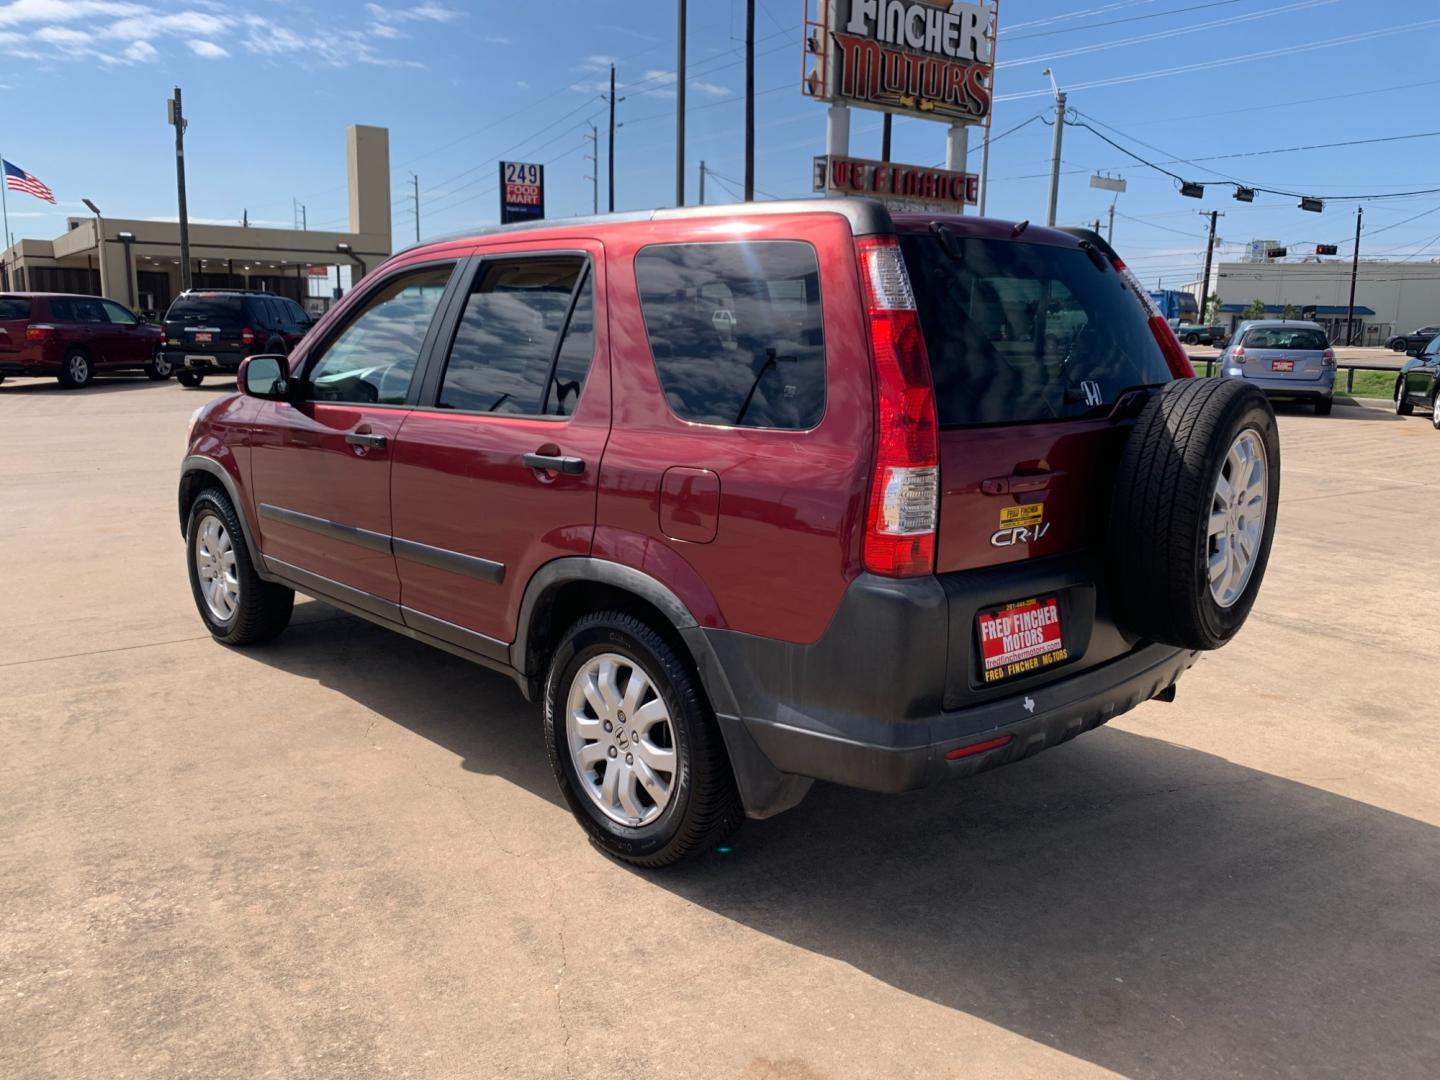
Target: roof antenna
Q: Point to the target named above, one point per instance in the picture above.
(1016, 230)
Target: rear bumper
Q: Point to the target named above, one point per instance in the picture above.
(31, 361)
(1307, 389)
(1028, 723)
(203, 362)
(893, 685)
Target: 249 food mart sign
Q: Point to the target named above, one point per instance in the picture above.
(923, 58)
(522, 191)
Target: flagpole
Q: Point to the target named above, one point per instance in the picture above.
(5, 206)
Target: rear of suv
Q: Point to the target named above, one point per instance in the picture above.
(748, 497)
(209, 331)
(1286, 359)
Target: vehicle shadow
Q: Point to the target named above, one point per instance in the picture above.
(103, 384)
(1345, 409)
(1153, 909)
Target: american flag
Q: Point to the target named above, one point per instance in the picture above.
(17, 179)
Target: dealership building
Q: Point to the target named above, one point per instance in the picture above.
(137, 262)
(1391, 297)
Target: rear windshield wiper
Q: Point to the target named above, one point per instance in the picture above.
(1095, 255)
(948, 240)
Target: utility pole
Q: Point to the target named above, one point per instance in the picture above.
(680, 104)
(702, 181)
(177, 118)
(989, 116)
(245, 218)
(611, 156)
(415, 180)
(594, 177)
(304, 221)
(1209, 253)
(1055, 150)
(885, 126)
(1110, 232)
(749, 100)
(1354, 273)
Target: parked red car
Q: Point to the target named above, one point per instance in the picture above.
(750, 496)
(71, 338)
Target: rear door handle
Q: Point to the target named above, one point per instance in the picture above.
(572, 466)
(364, 438)
(1019, 484)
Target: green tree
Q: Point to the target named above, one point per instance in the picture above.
(1290, 312)
(1212, 309)
(1256, 310)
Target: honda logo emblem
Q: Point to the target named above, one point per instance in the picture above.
(1093, 396)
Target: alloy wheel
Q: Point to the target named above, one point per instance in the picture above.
(162, 366)
(1237, 518)
(621, 740)
(79, 368)
(215, 564)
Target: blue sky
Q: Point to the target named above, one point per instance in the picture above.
(270, 86)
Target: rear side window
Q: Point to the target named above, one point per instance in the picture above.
(14, 307)
(1286, 337)
(77, 309)
(1024, 332)
(736, 331)
(504, 359)
(210, 310)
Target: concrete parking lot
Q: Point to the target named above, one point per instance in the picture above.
(342, 855)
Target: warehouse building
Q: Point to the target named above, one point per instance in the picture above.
(137, 262)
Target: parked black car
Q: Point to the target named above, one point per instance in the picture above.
(208, 331)
(1419, 382)
(1416, 339)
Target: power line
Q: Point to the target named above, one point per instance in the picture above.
(1117, 22)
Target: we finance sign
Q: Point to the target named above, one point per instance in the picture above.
(929, 60)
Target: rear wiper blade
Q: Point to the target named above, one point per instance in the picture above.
(1095, 255)
(947, 239)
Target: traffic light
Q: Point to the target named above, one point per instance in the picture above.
(1275, 253)
(1327, 249)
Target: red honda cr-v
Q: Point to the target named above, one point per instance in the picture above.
(750, 496)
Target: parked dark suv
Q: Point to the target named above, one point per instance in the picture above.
(750, 496)
(71, 337)
(210, 331)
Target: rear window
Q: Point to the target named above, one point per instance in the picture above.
(1286, 337)
(222, 311)
(14, 307)
(736, 332)
(1022, 332)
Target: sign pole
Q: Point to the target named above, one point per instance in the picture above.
(989, 116)
(749, 100)
(1055, 158)
(5, 207)
(177, 117)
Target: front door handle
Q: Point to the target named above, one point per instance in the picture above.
(364, 438)
(572, 466)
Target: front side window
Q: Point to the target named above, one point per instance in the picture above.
(736, 331)
(504, 358)
(373, 358)
(118, 315)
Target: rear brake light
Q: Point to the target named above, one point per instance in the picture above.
(1176, 359)
(38, 331)
(901, 518)
(1238, 354)
(1327, 358)
(247, 336)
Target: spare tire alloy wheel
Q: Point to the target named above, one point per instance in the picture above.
(1237, 518)
(1193, 518)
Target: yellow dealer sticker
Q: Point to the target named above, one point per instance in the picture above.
(1022, 516)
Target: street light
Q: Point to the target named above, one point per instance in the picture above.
(99, 245)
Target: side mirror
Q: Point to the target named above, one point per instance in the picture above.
(264, 376)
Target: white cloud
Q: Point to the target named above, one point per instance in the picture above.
(522, 84)
(55, 11)
(498, 40)
(140, 52)
(207, 49)
(428, 12)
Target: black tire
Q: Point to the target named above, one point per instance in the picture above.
(1435, 410)
(189, 378)
(77, 372)
(1192, 339)
(159, 369)
(264, 608)
(704, 805)
(1403, 405)
(1399, 344)
(1159, 542)
(1323, 406)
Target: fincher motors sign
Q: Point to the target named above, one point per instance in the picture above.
(915, 57)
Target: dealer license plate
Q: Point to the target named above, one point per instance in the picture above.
(197, 361)
(1282, 365)
(1020, 638)
(203, 338)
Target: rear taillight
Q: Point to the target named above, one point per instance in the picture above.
(1327, 358)
(1176, 359)
(38, 331)
(901, 518)
(1238, 354)
(247, 336)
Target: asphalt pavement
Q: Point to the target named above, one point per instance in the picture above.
(342, 854)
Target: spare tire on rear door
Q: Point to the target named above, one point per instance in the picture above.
(1194, 513)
